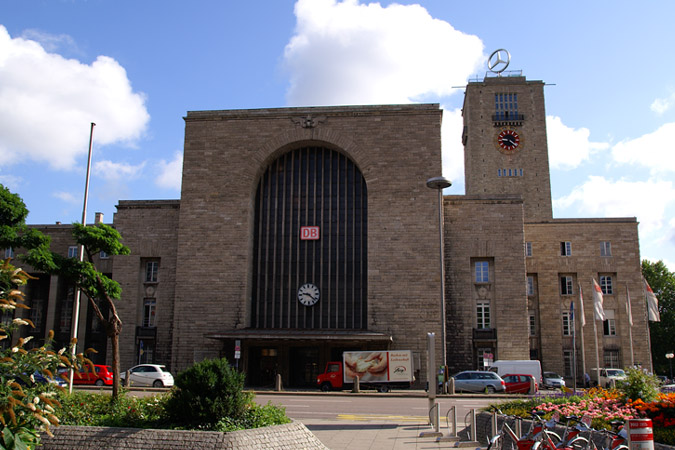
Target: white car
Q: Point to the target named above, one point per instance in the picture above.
(553, 381)
(154, 375)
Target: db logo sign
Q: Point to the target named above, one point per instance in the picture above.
(309, 233)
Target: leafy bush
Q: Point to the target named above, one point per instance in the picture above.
(639, 385)
(662, 413)
(94, 409)
(255, 416)
(206, 393)
(27, 407)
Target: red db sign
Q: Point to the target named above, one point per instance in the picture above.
(309, 233)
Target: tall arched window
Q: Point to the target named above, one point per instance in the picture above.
(310, 187)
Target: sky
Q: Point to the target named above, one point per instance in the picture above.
(135, 68)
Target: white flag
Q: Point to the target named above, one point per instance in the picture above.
(597, 302)
(652, 303)
(628, 309)
(582, 316)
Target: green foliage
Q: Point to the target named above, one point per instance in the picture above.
(26, 407)
(639, 385)
(662, 282)
(255, 416)
(664, 436)
(208, 392)
(94, 409)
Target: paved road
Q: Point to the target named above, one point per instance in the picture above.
(373, 421)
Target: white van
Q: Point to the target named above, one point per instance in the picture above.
(518, 366)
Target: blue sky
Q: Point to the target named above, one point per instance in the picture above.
(136, 67)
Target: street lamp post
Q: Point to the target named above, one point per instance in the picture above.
(440, 183)
(669, 357)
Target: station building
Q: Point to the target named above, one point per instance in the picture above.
(305, 232)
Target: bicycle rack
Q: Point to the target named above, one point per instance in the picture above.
(434, 420)
(453, 436)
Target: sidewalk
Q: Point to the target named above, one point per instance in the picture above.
(375, 433)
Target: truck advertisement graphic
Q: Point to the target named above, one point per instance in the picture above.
(379, 369)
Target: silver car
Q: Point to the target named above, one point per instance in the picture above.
(553, 381)
(478, 381)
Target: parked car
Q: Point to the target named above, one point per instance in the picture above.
(154, 375)
(553, 381)
(519, 383)
(38, 378)
(478, 381)
(100, 376)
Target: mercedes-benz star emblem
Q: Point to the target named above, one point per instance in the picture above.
(499, 60)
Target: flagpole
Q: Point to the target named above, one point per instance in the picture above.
(582, 320)
(596, 313)
(574, 346)
(630, 325)
(649, 337)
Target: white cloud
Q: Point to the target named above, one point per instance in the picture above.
(600, 197)
(655, 151)
(171, 172)
(352, 53)
(47, 103)
(567, 147)
(112, 171)
(662, 105)
(50, 42)
(66, 197)
(452, 148)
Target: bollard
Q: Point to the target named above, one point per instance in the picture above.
(533, 386)
(451, 386)
(127, 381)
(356, 388)
(640, 434)
(277, 386)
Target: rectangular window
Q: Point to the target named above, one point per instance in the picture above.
(482, 272)
(9, 253)
(609, 325)
(528, 249)
(533, 325)
(482, 315)
(566, 323)
(606, 284)
(506, 106)
(567, 361)
(151, 269)
(36, 312)
(481, 356)
(566, 285)
(149, 307)
(103, 255)
(72, 251)
(605, 248)
(566, 248)
(530, 285)
(611, 359)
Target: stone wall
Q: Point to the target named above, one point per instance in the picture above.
(289, 436)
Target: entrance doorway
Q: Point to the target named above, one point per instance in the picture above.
(304, 366)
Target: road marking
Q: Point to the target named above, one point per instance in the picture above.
(388, 418)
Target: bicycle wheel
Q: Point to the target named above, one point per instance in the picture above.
(496, 443)
(580, 443)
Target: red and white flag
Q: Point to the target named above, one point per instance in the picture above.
(582, 316)
(652, 303)
(598, 301)
(628, 308)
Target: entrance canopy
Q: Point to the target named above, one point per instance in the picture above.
(303, 335)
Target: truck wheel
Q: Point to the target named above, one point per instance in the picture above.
(384, 388)
(326, 387)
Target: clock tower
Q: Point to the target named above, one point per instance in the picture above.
(504, 137)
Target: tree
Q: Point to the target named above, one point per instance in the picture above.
(662, 282)
(82, 274)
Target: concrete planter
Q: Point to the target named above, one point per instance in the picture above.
(292, 435)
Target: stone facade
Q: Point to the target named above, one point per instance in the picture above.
(200, 277)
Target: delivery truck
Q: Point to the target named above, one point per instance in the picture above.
(381, 370)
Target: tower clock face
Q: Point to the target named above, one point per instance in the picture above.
(508, 141)
(308, 294)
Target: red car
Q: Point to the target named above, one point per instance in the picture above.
(519, 383)
(102, 375)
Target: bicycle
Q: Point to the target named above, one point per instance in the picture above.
(539, 430)
(572, 435)
(617, 438)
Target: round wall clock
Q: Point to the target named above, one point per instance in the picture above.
(308, 294)
(508, 141)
